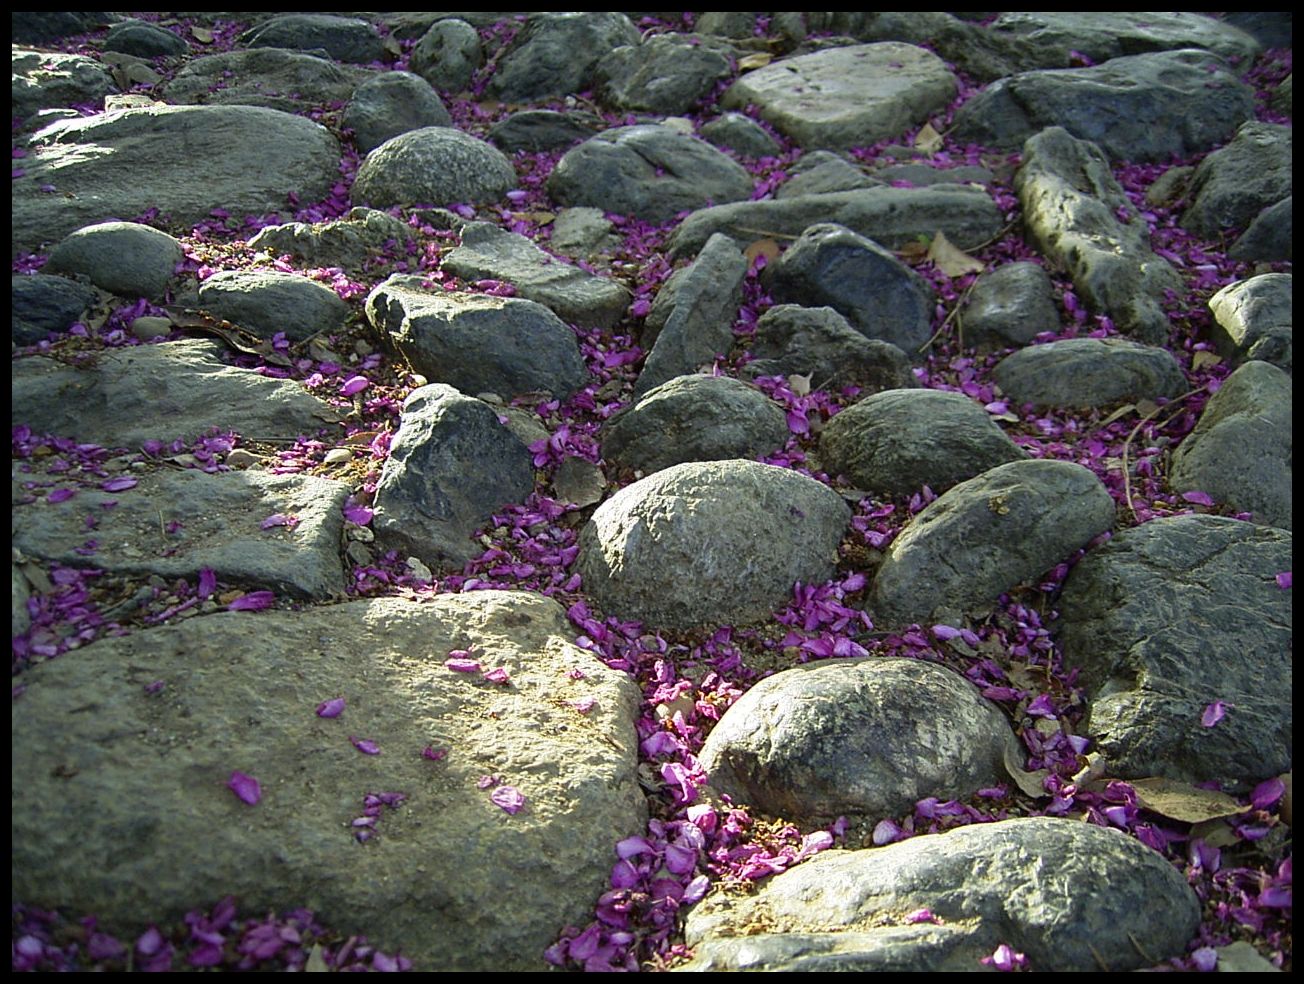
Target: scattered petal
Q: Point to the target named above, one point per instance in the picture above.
(509, 798)
(332, 708)
(498, 675)
(119, 484)
(254, 601)
(354, 384)
(245, 787)
(365, 745)
(1213, 713)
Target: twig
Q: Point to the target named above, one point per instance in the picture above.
(950, 317)
(1127, 480)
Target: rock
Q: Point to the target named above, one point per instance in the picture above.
(390, 104)
(734, 131)
(579, 482)
(694, 418)
(176, 523)
(435, 165)
(1233, 185)
(650, 172)
(44, 80)
(1010, 305)
(878, 294)
(159, 392)
(20, 619)
(1089, 372)
(709, 543)
(40, 26)
(145, 823)
(137, 37)
(346, 242)
(123, 258)
(346, 39)
(1270, 235)
(477, 342)
(1063, 893)
(846, 736)
(824, 178)
(987, 535)
(666, 74)
(535, 130)
(727, 23)
(555, 54)
(270, 77)
(1116, 105)
(450, 466)
(1102, 36)
(582, 231)
(488, 252)
(40, 303)
(1282, 99)
(847, 97)
(819, 343)
(1071, 205)
(920, 175)
(898, 441)
(1271, 29)
(1240, 450)
(448, 55)
(241, 158)
(266, 302)
(1169, 617)
(1254, 319)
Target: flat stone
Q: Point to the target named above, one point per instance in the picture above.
(1104, 35)
(1235, 183)
(535, 130)
(736, 132)
(270, 77)
(821, 344)
(1089, 372)
(1010, 305)
(1254, 319)
(266, 302)
(825, 178)
(137, 37)
(435, 165)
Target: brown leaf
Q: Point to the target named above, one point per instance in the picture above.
(1118, 414)
(757, 59)
(1030, 782)
(1215, 833)
(928, 140)
(361, 438)
(1182, 801)
(202, 34)
(950, 259)
(914, 252)
(799, 384)
(762, 247)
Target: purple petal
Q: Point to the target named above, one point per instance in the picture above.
(151, 941)
(254, 601)
(278, 519)
(461, 665)
(1205, 959)
(497, 675)
(680, 860)
(60, 495)
(434, 754)
(354, 384)
(1284, 580)
(332, 708)
(1214, 713)
(945, 632)
(696, 890)
(624, 875)
(358, 514)
(1267, 792)
(365, 745)
(509, 798)
(207, 582)
(885, 832)
(245, 787)
(119, 484)
(633, 846)
(921, 916)
(1199, 498)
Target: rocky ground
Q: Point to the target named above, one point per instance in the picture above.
(700, 492)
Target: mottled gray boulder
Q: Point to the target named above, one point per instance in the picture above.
(160, 392)
(139, 818)
(666, 74)
(694, 418)
(267, 301)
(583, 231)
(847, 737)
(1254, 319)
(390, 104)
(488, 252)
(1102, 35)
(346, 242)
(124, 258)
(450, 466)
(1139, 108)
(346, 39)
(1271, 28)
(878, 294)
(651, 172)
(43, 80)
(987, 535)
(215, 522)
(476, 342)
(736, 132)
(847, 97)
(448, 55)
(41, 303)
(920, 174)
(1089, 372)
(898, 441)
(1072, 206)
(1061, 892)
(709, 543)
(270, 77)
(534, 130)
(1234, 184)
(1010, 305)
(821, 344)
(40, 26)
(1270, 236)
(555, 54)
(137, 37)
(435, 165)
(727, 23)
(1241, 449)
(1170, 617)
(825, 177)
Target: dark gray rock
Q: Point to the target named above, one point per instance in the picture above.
(1010, 305)
(1104, 35)
(824, 178)
(582, 231)
(921, 175)
(20, 591)
(124, 258)
(435, 165)
(145, 823)
(843, 736)
(448, 55)
(266, 302)
(1072, 206)
(1062, 892)
(346, 39)
(1254, 319)
(534, 130)
(44, 80)
(987, 535)
(898, 441)
(819, 343)
(727, 23)
(1282, 98)
(555, 54)
(271, 77)
(666, 74)
(878, 294)
(651, 172)
(346, 242)
(709, 543)
(1272, 29)
(41, 303)
(694, 418)
(390, 104)
(476, 342)
(847, 97)
(1241, 449)
(39, 26)
(488, 252)
(1270, 236)
(736, 132)
(136, 37)
(1233, 185)
(1169, 617)
(1089, 372)
(1140, 108)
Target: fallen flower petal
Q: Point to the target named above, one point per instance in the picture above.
(1213, 713)
(434, 754)
(1284, 580)
(279, 519)
(509, 798)
(245, 787)
(332, 708)
(497, 675)
(60, 495)
(365, 745)
(354, 384)
(462, 665)
(252, 602)
(119, 484)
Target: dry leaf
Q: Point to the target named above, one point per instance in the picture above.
(1205, 358)
(361, 438)
(1182, 801)
(1147, 408)
(316, 963)
(928, 140)
(762, 247)
(800, 385)
(950, 259)
(1032, 783)
(757, 59)
(1118, 414)
(1242, 957)
(1215, 833)
(202, 34)
(541, 218)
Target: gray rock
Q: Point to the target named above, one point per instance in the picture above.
(450, 466)
(37, 27)
(346, 39)
(241, 158)
(891, 217)
(1071, 205)
(145, 823)
(1169, 617)
(270, 77)
(476, 342)
(734, 131)
(694, 418)
(123, 258)
(44, 80)
(1282, 99)
(266, 302)
(1010, 305)
(651, 172)
(346, 242)
(847, 97)
(20, 619)
(410, 25)
(921, 175)
(1241, 449)
(1104, 35)
(555, 54)
(898, 441)
(727, 23)
(1233, 185)
(175, 523)
(1140, 108)
(987, 535)
(41, 303)
(709, 543)
(667, 74)
(1272, 29)
(448, 55)
(1063, 893)
(819, 343)
(534, 130)
(1254, 319)
(826, 177)
(159, 392)
(847, 737)
(1089, 372)
(878, 294)
(488, 252)
(390, 104)
(582, 231)
(1270, 236)
(137, 37)
(435, 165)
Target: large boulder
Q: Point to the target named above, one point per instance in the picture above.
(1102, 35)
(123, 258)
(346, 39)
(435, 165)
(820, 343)
(1089, 372)
(346, 242)
(1010, 305)
(555, 54)
(1237, 182)
(389, 104)
(274, 78)
(666, 74)
(47, 80)
(266, 302)
(448, 55)
(1254, 319)
(40, 303)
